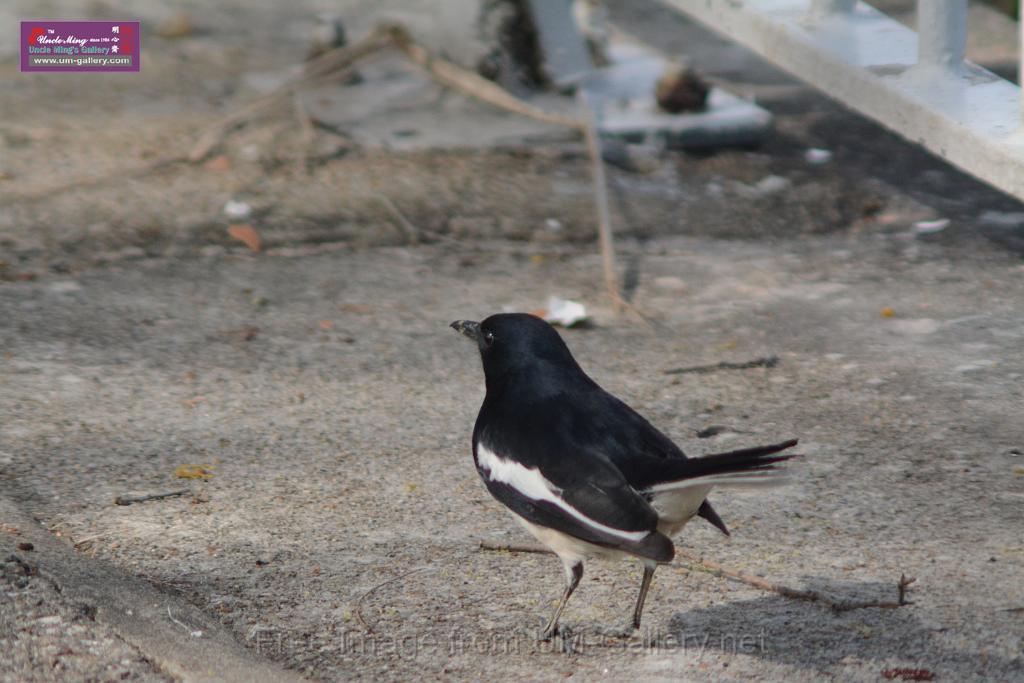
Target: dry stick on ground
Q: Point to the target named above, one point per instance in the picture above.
(128, 500)
(331, 65)
(453, 76)
(756, 581)
(359, 602)
(412, 234)
(308, 131)
(46, 192)
(327, 67)
(765, 362)
(604, 221)
(474, 85)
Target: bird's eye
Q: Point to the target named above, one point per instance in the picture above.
(488, 338)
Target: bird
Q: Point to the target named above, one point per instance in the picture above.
(584, 473)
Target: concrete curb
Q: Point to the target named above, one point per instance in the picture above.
(138, 612)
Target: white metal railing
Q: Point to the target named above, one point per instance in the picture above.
(916, 83)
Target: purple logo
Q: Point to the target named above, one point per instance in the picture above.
(79, 45)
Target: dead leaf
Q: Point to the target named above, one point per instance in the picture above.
(245, 333)
(194, 472)
(888, 312)
(219, 163)
(177, 26)
(326, 325)
(244, 232)
(355, 308)
(192, 402)
(8, 529)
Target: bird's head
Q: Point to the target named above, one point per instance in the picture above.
(519, 344)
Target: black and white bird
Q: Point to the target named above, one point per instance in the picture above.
(581, 470)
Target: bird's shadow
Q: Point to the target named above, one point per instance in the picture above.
(811, 635)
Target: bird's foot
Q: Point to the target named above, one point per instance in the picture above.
(619, 632)
(562, 637)
(555, 630)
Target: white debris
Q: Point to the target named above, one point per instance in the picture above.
(64, 287)
(817, 156)
(553, 225)
(928, 227)
(565, 312)
(974, 366)
(250, 153)
(1002, 219)
(765, 186)
(670, 283)
(771, 184)
(237, 210)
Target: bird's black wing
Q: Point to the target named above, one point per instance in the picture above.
(630, 442)
(532, 459)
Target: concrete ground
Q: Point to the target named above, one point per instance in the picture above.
(319, 388)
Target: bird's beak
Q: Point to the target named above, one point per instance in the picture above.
(468, 328)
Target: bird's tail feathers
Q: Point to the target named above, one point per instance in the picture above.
(749, 467)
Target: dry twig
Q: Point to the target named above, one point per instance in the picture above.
(412, 234)
(194, 632)
(765, 362)
(453, 76)
(604, 221)
(756, 581)
(128, 500)
(359, 602)
(88, 539)
(335, 64)
(514, 548)
(797, 593)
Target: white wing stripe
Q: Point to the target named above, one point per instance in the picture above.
(779, 477)
(532, 484)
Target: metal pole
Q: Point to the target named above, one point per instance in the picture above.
(942, 34)
(1020, 65)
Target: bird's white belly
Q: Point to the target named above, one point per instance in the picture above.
(676, 507)
(569, 548)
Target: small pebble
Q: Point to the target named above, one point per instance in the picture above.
(817, 156)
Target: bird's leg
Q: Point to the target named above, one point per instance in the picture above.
(575, 573)
(645, 585)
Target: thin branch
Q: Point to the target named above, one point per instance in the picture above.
(79, 543)
(604, 221)
(195, 633)
(514, 548)
(335, 64)
(756, 581)
(359, 602)
(412, 234)
(128, 500)
(135, 172)
(765, 362)
(453, 76)
(797, 593)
